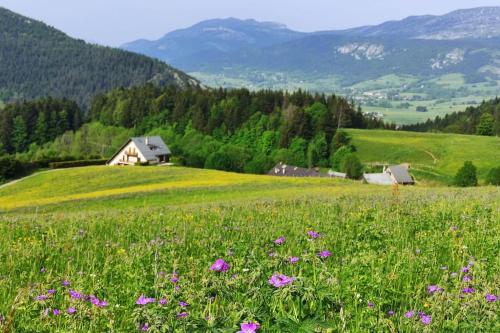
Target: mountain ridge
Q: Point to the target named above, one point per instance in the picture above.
(38, 60)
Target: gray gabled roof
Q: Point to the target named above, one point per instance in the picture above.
(154, 148)
(378, 178)
(400, 174)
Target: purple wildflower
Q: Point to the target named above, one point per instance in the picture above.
(75, 295)
(324, 254)
(433, 289)
(174, 279)
(51, 291)
(313, 234)
(56, 312)
(490, 298)
(391, 313)
(142, 300)
(145, 327)
(182, 315)
(370, 305)
(71, 311)
(426, 319)
(161, 273)
(465, 269)
(46, 312)
(220, 266)
(42, 270)
(249, 327)
(467, 278)
(272, 254)
(41, 297)
(163, 301)
(294, 260)
(97, 302)
(65, 283)
(280, 280)
(183, 304)
(410, 314)
(280, 240)
(468, 290)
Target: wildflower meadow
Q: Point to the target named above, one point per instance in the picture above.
(418, 261)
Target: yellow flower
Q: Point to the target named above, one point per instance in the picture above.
(426, 305)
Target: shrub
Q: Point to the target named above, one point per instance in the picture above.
(493, 177)
(74, 164)
(352, 166)
(339, 156)
(466, 176)
(260, 164)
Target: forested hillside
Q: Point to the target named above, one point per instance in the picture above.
(38, 61)
(40, 121)
(234, 130)
(481, 120)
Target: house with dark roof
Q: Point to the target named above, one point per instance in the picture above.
(394, 174)
(284, 170)
(151, 150)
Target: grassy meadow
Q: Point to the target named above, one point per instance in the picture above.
(435, 158)
(79, 248)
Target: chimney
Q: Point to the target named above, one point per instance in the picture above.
(147, 141)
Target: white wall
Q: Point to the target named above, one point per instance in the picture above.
(121, 155)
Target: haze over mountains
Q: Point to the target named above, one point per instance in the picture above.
(464, 41)
(37, 60)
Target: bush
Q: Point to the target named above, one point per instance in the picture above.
(467, 175)
(228, 158)
(339, 156)
(352, 167)
(493, 177)
(260, 164)
(74, 164)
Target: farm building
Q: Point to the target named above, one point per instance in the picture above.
(395, 174)
(150, 150)
(284, 170)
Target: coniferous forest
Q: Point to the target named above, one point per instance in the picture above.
(234, 130)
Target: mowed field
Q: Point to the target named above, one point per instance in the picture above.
(110, 249)
(435, 158)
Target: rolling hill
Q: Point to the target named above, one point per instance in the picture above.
(37, 60)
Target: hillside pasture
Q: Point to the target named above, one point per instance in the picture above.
(133, 249)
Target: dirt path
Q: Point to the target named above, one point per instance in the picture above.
(432, 155)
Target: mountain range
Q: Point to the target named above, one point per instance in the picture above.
(37, 60)
(464, 41)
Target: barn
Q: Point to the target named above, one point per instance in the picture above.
(148, 150)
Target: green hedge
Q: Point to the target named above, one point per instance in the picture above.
(74, 164)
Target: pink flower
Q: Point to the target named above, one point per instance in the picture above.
(220, 266)
(142, 300)
(313, 234)
(249, 327)
(280, 280)
(294, 260)
(280, 240)
(324, 254)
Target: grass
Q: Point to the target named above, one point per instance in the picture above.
(434, 157)
(118, 233)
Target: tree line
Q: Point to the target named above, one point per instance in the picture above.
(481, 120)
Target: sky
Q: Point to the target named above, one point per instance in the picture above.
(115, 22)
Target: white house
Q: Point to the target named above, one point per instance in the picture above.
(150, 150)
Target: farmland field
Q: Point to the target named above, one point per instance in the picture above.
(134, 249)
(435, 158)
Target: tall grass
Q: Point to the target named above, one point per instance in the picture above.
(386, 250)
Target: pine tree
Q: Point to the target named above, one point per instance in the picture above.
(41, 128)
(19, 135)
(485, 126)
